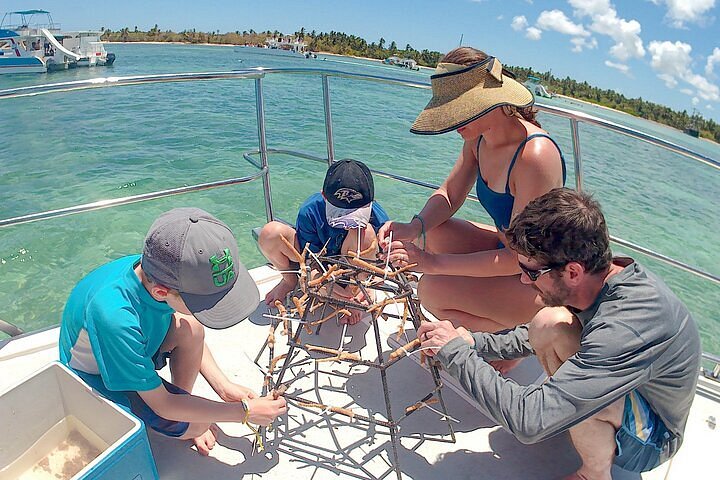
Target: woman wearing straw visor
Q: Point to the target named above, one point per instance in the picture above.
(470, 278)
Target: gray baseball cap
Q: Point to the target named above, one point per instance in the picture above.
(190, 251)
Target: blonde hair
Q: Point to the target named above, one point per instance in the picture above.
(470, 56)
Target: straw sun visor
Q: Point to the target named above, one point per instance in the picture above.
(462, 94)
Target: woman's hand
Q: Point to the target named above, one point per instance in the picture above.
(400, 231)
(403, 253)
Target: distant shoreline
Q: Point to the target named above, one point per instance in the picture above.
(422, 68)
(631, 115)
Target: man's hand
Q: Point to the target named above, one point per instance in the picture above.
(264, 410)
(437, 334)
(232, 392)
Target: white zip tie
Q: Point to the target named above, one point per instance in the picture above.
(443, 416)
(358, 243)
(289, 271)
(278, 317)
(387, 259)
(342, 338)
(418, 350)
(318, 261)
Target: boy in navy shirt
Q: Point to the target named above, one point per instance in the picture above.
(338, 216)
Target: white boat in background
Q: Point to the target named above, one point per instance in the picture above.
(87, 44)
(533, 84)
(15, 57)
(29, 45)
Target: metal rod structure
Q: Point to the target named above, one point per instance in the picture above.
(262, 145)
(386, 393)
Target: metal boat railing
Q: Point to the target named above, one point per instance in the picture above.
(263, 151)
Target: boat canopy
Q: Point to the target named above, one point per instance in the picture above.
(8, 33)
(29, 12)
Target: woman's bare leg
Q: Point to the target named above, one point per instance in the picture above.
(484, 304)
(480, 304)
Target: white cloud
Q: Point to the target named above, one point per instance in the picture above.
(695, 101)
(705, 89)
(519, 23)
(605, 21)
(557, 20)
(712, 60)
(686, 91)
(581, 43)
(669, 80)
(589, 7)
(680, 12)
(709, 107)
(621, 67)
(533, 33)
(500, 17)
(668, 58)
(673, 63)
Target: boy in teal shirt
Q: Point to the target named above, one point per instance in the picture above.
(124, 320)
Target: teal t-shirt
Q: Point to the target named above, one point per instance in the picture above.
(112, 327)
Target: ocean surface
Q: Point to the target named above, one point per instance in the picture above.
(71, 148)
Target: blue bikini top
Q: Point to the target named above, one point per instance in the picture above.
(500, 205)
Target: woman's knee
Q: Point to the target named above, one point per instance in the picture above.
(555, 328)
(427, 290)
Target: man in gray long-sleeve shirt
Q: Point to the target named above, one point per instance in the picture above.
(622, 372)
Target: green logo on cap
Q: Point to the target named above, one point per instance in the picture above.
(222, 271)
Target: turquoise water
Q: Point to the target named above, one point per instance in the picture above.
(65, 149)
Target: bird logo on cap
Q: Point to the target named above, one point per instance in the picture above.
(348, 194)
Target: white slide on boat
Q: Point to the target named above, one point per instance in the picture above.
(58, 46)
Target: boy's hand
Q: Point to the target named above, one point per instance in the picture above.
(232, 392)
(264, 410)
(353, 318)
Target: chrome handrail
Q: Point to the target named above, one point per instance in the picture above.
(116, 202)
(259, 73)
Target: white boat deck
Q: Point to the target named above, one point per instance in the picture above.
(307, 445)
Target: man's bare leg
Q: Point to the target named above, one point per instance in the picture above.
(278, 253)
(594, 440)
(555, 336)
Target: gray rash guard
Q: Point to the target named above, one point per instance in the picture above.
(636, 335)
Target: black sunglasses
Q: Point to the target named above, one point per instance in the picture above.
(535, 274)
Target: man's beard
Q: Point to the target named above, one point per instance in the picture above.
(558, 297)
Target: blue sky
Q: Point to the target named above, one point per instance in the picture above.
(665, 51)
